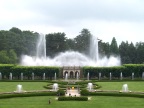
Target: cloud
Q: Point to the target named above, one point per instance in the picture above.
(123, 19)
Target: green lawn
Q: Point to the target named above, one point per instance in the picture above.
(95, 102)
(133, 86)
(27, 86)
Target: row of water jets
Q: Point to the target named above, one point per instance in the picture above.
(19, 88)
(110, 76)
(66, 76)
(32, 75)
(55, 87)
(124, 87)
(44, 76)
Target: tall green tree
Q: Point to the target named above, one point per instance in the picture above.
(114, 50)
(140, 52)
(55, 43)
(82, 41)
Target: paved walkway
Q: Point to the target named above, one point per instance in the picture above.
(72, 93)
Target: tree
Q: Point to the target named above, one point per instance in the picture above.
(104, 49)
(82, 41)
(12, 57)
(15, 30)
(55, 43)
(4, 59)
(140, 52)
(114, 50)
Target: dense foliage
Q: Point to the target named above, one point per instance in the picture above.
(14, 43)
(82, 98)
(126, 69)
(27, 71)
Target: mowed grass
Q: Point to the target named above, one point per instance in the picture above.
(27, 86)
(132, 85)
(95, 102)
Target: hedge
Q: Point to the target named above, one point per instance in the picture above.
(126, 69)
(82, 98)
(2, 96)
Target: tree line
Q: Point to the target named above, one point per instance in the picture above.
(15, 42)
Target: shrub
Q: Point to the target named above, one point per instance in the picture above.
(61, 92)
(73, 98)
(27, 94)
(84, 92)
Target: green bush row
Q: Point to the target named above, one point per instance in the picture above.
(126, 69)
(116, 94)
(82, 98)
(2, 96)
(28, 70)
(85, 92)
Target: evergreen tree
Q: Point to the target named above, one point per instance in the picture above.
(114, 50)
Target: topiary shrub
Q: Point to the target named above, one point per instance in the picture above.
(73, 98)
(60, 92)
(84, 92)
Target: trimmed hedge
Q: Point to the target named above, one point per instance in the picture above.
(82, 98)
(2, 96)
(118, 94)
(126, 69)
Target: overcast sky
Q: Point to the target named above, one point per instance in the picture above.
(122, 19)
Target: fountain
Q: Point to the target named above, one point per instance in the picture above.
(121, 76)
(10, 76)
(132, 76)
(110, 76)
(19, 88)
(143, 76)
(43, 76)
(77, 76)
(125, 88)
(32, 76)
(90, 86)
(68, 58)
(55, 86)
(94, 54)
(21, 76)
(0, 76)
(88, 76)
(55, 77)
(66, 76)
(99, 76)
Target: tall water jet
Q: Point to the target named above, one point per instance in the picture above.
(121, 76)
(55, 76)
(43, 76)
(94, 53)
(90, 86)
(125, 88)
(19, 88)
(21, 76)
(10, 76)
(100, 76)
(110, 76)
(132, 76)
(143, 76)
(66, 76)
(69, 58)
(41, 47)
(88, 76)
(0, 76)
(55, 86)
(32, 76)
(77, 76)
